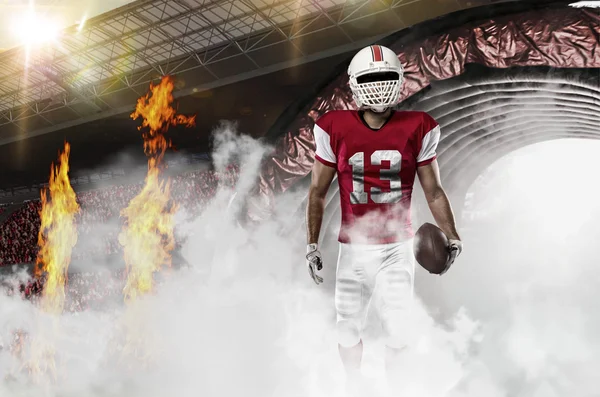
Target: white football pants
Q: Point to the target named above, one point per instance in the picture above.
(383, 272)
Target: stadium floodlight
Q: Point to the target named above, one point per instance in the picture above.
(587, 4)
(31, 28)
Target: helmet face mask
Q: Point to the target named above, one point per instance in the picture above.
(376, 76)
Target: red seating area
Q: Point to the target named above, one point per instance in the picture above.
(19, 233)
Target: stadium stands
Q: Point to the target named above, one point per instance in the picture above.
(95, 290)
(19, 233)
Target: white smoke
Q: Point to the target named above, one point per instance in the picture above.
(586, 4)
(513, 317)
(527, 273)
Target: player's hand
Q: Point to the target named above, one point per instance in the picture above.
(455, 247)
(314, 262)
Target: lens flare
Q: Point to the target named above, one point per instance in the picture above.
(33, 28)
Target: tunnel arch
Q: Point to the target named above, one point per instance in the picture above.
(496, 79)
(497, 111)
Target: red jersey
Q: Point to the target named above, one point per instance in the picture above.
(376, 170)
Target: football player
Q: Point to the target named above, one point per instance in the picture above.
(376, 153)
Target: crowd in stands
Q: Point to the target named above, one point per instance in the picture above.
(94, 290)
(19, 232)
(18, 235)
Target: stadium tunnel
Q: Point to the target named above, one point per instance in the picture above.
(496, 78)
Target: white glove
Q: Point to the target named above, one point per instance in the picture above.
(455, 247)
(314, 262)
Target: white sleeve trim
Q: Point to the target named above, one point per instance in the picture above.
(429, 145)
(323, 143)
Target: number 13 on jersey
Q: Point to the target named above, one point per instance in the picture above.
(391, 174)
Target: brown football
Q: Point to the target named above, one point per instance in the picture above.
(431, 248)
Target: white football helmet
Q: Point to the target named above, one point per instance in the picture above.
(376, 76)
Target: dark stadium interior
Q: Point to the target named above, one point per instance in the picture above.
(255, 104)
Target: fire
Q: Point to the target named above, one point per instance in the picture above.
(56, 239)
(57, 235)
(147, 236)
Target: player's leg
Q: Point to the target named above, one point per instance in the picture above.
(353, 290)
(351, 356)
(395, 285)
(349, 306)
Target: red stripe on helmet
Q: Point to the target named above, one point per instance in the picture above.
(377, 53)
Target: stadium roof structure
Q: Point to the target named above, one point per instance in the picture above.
(100, 70)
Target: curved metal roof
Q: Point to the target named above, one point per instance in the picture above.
(102, 69)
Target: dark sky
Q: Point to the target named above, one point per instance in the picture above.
(255, 104)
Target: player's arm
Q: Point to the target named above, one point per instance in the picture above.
(322, 176)
(323, 171)
(437, 199)
(429, 176)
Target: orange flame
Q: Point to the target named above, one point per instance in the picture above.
(56, 239)
(57, 235)
(147, 236)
